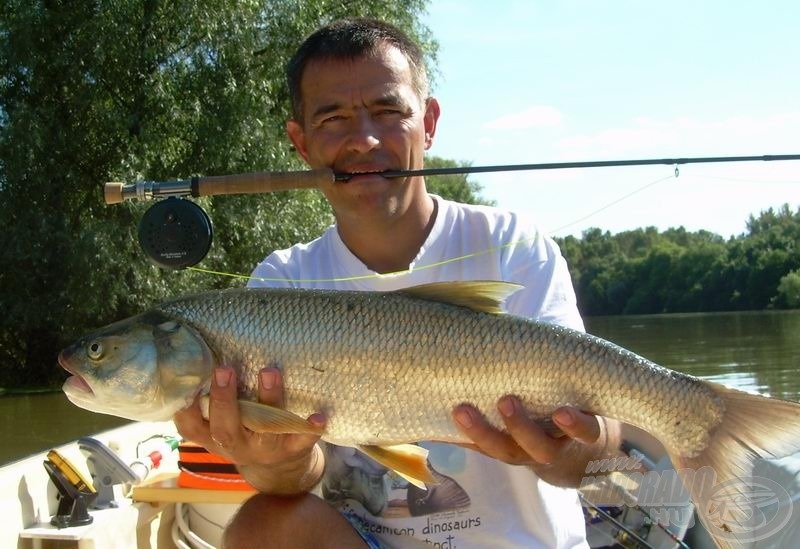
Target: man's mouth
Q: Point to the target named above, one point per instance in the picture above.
(354, 176)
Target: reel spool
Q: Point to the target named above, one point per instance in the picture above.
(175, 233)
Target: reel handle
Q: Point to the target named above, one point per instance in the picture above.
(262, 182)
(247, 183)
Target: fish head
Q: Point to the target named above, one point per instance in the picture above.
(144, 368)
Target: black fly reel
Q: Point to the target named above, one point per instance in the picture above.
(175, 233)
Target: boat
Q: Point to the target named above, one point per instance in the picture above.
(87, 493)
(123, 510)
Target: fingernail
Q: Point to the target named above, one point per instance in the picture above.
(507, 406)
(464, 418)
(222, 376)
(317, 419)
(268, 379)
(563, 417)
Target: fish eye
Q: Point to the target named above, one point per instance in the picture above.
(95, 350)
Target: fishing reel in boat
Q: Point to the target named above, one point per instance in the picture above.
(175, 233)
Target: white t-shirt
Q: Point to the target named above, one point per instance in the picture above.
(480, 502)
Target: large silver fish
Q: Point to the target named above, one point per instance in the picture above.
(388, 368)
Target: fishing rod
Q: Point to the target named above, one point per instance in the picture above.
(263, 182)
(176, 233)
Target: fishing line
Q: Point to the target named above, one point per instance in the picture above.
(436, 264)
(465, 257)
(372, 276)
(614, 203)
(177, 233)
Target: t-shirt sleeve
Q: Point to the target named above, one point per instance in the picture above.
(535, 261)
(272, 272)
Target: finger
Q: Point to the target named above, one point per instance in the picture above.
(224, 420)
(270, 387)
(530, 437)
(191, 425)
(301, 443)
(489, 440)
(578, 425)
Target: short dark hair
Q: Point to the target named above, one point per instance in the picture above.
(352, 38)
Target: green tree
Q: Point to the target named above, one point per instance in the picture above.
(92, 91)
(457, 187)
(647, 271)
(789, 290)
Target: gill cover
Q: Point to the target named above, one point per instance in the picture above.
(184, 361)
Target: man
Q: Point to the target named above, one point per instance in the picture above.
(361, 106)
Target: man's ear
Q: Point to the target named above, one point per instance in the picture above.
(431, 118)
(298, 138)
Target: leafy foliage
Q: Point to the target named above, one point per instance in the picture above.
(99, 90)
(789, 290)
(457, 187)
(644, 271)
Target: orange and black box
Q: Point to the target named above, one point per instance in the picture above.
(200, 468)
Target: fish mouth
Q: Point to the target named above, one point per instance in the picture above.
(76, 382)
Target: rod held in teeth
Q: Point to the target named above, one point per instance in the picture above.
(263, 182)
(112, 192)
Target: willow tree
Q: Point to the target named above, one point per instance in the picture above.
(94, 91)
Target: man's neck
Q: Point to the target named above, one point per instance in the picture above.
(388, 248)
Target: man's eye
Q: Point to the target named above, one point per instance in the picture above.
(331, 119)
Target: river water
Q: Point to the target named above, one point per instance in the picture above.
(754, 351)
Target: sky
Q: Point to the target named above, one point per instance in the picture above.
(523, 82)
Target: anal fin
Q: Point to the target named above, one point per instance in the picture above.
(407, 460)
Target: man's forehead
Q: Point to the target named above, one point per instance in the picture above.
(387, 56)
(381, 77)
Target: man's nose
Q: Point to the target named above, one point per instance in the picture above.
(364, 135)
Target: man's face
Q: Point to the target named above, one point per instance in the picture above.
(363, 116)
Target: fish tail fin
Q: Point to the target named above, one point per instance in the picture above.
(728, 499)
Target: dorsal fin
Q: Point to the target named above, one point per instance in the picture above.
(485, 296)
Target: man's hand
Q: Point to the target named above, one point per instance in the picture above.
(560, 461)
(274, 463)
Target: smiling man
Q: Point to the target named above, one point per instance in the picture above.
(364, 114)
(361, 106)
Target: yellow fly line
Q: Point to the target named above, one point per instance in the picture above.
(465, 257)
(367, 276)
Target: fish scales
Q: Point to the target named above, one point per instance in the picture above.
(388, 368)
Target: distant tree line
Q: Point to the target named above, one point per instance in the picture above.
(646, 271)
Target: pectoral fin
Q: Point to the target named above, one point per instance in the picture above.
(407, 460)
(263, 418)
